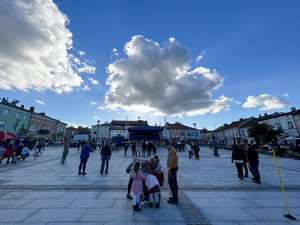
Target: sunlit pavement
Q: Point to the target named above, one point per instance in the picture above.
(46, 192)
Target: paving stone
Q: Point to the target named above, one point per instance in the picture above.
(56, 215)
(92, 203)
(116, 215)
(13, 203)
(48, 203)
(15, 215)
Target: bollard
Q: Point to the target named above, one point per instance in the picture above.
(288, 215)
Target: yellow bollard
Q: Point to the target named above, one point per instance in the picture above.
(288, 215)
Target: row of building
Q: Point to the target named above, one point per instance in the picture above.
(26, 122)
(238, 131)
(18, 120)
(118, 128)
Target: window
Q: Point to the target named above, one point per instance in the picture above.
(25, 117)
(243, 133)
(2, 124)
(17, 114)
(5, 112)
(32, 126)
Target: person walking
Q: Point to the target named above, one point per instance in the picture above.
(105, 157)
(196, 150)
(172, 165)
(253, 164)
(238, 157)
(144, 148)
(126, 146)
(245, 160)
(133, 149)
(65, 151)
(189, 150)
(84, 156)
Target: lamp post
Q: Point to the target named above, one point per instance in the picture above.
(98, 121)
(18, 120)
(195, 132)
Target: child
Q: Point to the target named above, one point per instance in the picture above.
(152, 184)
(137, 185)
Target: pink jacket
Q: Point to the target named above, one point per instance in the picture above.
(137, 184)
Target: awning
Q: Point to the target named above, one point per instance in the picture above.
(5, 135)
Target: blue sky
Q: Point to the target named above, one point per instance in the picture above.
(203, 62)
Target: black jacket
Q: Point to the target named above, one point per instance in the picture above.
(252, 156)
(105, 151)
(238, 154)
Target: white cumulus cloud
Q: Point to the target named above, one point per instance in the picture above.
(160, 80)
(36, 48)
(269, 102)
(40, 102)
(86, 88)
(93, 81)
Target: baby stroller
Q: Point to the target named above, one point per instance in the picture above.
(153, 182)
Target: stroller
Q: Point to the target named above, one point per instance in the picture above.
(154, 180)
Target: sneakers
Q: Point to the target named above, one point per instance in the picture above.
(150, 204)
(79, 173)
(136, 207)
(129, 196)
(84, 174)
(257, 182)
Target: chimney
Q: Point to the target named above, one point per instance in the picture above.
(293, 109)
(22, 106)
(241, 119)
(31, 109)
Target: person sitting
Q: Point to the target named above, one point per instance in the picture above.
(9, 152)
(25, 152)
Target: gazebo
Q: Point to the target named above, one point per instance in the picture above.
(144, 132)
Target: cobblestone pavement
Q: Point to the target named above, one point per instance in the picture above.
(45, 192)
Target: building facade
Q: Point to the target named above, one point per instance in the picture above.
(13, 118)
(41, 125)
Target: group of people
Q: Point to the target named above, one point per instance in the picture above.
(105, 155)
(141, 149)
(143, 173)
(246, 157)
(13, 150)
(192, 149)
(146, 178)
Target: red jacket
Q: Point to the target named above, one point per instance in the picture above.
(9, 151)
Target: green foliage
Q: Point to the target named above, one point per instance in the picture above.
(263, 133)
(22, 131)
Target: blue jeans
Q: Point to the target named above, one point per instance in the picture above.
(172, 179)
(255, 172)
(105, 160)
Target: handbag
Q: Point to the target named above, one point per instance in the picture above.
(128, 168)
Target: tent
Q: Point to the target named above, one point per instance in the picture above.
(145, 132)
(5, 135)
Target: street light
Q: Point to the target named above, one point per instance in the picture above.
(98, 121)
(18, 120)
(195, 132)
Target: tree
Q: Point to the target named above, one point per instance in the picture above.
(263, 133)
(22, 132)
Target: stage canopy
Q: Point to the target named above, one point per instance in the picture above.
(145, 132)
